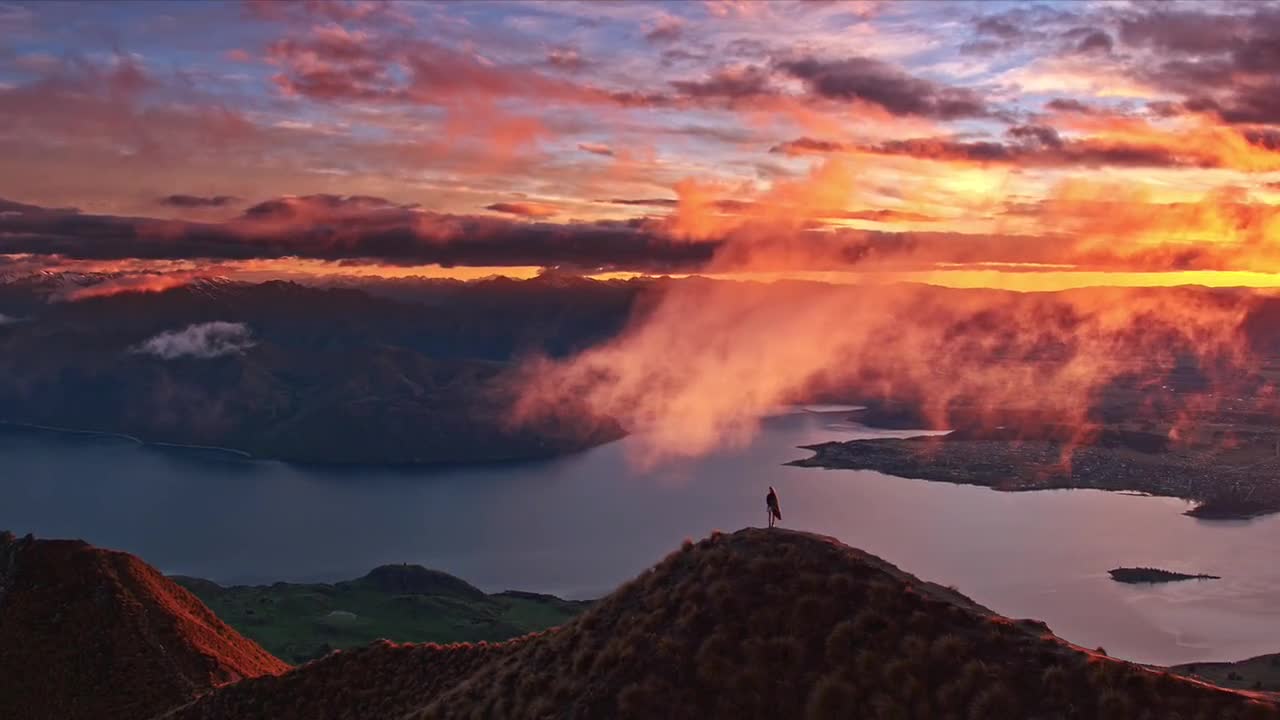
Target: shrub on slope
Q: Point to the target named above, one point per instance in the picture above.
(90, 633)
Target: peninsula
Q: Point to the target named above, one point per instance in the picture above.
(1227, 481)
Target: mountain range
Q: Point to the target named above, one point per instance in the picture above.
(348, 370)
(301, 373)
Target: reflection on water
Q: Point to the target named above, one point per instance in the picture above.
(580, 525)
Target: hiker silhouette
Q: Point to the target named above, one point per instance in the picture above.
(771, 507)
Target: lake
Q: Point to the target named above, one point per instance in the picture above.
(579, 526)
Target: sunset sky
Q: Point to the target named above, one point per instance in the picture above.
(1028, 146)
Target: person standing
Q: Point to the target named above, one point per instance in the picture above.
(771, 506)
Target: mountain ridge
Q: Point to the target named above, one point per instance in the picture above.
(92, 633)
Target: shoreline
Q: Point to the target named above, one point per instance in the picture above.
(13, 425)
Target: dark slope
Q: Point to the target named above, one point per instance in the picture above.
(382, 680)
(762, 624)
(90, 633)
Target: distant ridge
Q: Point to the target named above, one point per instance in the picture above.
(96, 634)
(418, 580)
(757, 624)
(299, 622)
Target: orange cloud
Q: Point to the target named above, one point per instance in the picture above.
(142, 283)
(1115, 225)
(712, 358)
(1199, 136)
(524, 209)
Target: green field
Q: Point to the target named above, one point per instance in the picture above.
(404, 603)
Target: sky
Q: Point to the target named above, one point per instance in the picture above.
(1016, 145)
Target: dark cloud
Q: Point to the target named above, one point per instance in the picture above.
(654, 202)
(729, 84)
(1095, 41)
(946, 149)
(863, 79)
(1025, 144)
(880, 83)
(1165, 109)
(680, 55)
(1190, 31)
(1000, 27)
(1039, 145)
(1224, 63)
(331, 63)
(1268, 139)
(1260, 105)
(323, 207)
(806, 146)
(746, 48)
(1012, 29)
(10, 207)
(197, 201)
(665, 30)
(1036, 135)
(719, 133)
(981, 47)
(881, 215)
(331, 227)
(1067, 105)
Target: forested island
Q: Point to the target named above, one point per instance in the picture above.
(1133, 575)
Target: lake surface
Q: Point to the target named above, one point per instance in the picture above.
(579, 526)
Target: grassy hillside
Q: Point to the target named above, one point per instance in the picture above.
(93, 634)
(405, 603)
(758, 624)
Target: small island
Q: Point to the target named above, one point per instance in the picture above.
(1154, 575)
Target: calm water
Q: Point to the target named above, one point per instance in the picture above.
(579, 526)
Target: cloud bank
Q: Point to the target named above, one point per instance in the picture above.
(201, 340)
